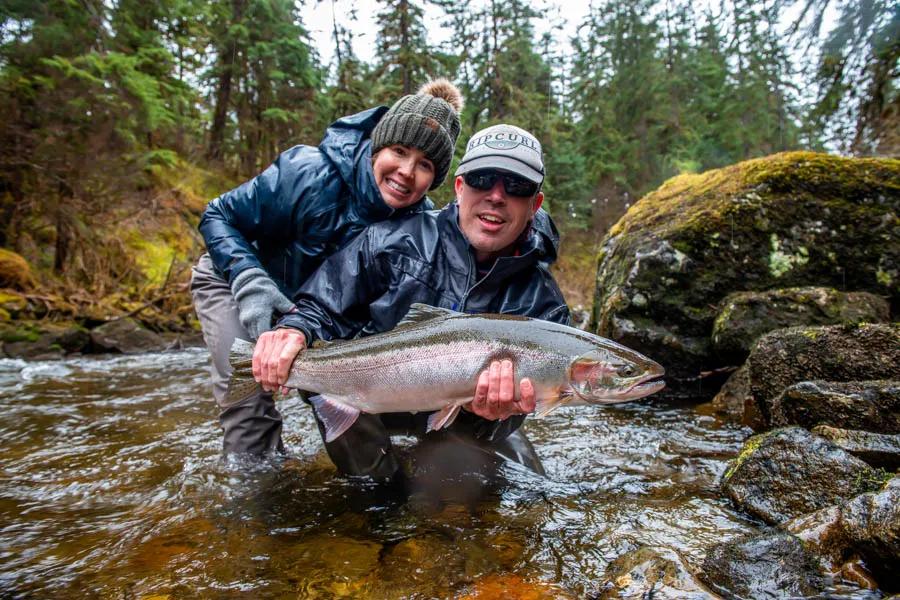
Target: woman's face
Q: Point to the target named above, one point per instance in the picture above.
(402, 174)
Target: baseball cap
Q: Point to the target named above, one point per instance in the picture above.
(504, 147)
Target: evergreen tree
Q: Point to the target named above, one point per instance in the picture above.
(405, 60)
(857, 105)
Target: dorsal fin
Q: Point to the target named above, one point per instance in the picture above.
(320, 344)
(419, 313)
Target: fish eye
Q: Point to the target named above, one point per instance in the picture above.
(625, 371)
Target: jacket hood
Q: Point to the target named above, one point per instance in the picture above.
(348, 146)
(541, 240)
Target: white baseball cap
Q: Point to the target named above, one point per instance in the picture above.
(507, 148)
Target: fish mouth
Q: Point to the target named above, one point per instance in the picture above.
(646, 387)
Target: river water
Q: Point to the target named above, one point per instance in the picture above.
(112, 486)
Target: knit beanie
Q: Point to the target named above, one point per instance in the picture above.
(427, 120)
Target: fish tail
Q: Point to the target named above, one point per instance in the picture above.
(242, 384)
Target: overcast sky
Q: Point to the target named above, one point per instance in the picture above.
(317, 18)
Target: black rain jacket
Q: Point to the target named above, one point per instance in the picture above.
(368, 286)
(307, 204)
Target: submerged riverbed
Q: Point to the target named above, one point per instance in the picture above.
(113, 486)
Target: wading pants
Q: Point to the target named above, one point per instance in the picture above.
(252, 425)
(365, 448)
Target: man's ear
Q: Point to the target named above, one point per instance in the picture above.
(457, 186)
(538, 200)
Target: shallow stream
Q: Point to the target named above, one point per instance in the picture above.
(112, 486)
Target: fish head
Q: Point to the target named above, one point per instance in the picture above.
(606, 375)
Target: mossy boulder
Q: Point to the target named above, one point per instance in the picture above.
(15, 272)
(43, 341)
(867, 405)
(788, 472)
(746, 316)
(830, 353)
(789, 220)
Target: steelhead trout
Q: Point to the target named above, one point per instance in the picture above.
(432, 359)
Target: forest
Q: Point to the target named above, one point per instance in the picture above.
(123, 118)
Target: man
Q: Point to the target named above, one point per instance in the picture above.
(487, 252)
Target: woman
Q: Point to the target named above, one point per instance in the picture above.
(265, 237)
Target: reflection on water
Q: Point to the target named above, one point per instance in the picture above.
(112, 486)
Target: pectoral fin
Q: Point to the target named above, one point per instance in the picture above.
(443, 418)
(335, 416)
(545, 406)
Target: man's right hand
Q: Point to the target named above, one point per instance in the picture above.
(274, 354)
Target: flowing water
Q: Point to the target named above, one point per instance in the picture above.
(112, 486)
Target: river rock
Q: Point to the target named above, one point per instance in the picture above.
(878, 449)
(867, 526)
(829, 353)
(788, 220)
(772, 564)
(788, 472)
(126, 336)
(652, 572)
(735, 401)
(47, 342)
(866, 405)
(746, 316)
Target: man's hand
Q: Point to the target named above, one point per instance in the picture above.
(274, 354)
(495, 393)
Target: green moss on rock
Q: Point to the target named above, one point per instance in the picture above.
(789, 220)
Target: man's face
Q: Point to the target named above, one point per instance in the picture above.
(492, 220)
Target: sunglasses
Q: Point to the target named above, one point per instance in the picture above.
(513, 185)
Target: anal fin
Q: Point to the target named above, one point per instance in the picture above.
(443, 418)
(335, 416)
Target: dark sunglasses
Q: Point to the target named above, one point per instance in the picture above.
(513, 185)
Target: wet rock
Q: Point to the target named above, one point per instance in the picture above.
(872, 523)
(831, 353)
(652, 572)
(788, 220)
(867, 526)
(877, 449)
(746, 316)
(126, 336)
(48, 342)
(768, 565)
(736, 400)
(865, 405)
(788, 472)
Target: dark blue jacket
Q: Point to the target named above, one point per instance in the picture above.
(309, 203)
(369, 285)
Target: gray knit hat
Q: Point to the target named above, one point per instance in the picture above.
(427, 120)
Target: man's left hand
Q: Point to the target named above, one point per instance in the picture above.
(495, 393)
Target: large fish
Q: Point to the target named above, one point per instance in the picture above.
(432, 359)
